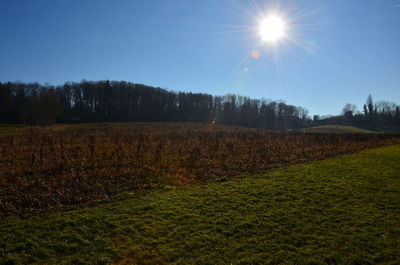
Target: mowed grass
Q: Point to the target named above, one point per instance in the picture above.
(343, 210)
(10, 127)
(340, 129)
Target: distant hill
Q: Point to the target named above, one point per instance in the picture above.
(10, 127)
(334, 129)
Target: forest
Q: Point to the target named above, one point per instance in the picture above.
(120, 101)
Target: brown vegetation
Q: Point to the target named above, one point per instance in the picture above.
(64, 165)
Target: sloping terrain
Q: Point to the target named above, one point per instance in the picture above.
(334, 129)
(55, 166)
(343, 210)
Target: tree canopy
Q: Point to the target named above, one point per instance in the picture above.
(119, 101)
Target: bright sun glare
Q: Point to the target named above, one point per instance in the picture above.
(272, 28)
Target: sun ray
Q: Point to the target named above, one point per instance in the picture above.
(277, 30)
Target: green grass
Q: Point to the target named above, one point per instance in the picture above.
(334, 129)
(10, 127)
(343, 210)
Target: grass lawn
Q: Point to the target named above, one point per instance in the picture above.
(10, 127)
(334, 129)
(343, 210)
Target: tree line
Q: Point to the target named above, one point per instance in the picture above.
(112, 101)
(375, 115)
(119, 101)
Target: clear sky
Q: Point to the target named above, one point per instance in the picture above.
(334, 51)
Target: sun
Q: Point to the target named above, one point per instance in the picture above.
(272, 28)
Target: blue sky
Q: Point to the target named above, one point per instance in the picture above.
(336, 51)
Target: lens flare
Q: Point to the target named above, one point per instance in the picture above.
(255, 54)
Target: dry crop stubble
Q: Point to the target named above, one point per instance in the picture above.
(49, 167)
